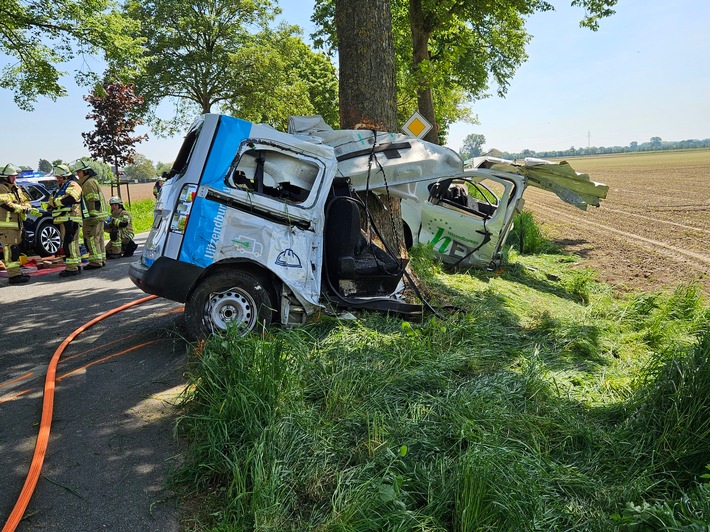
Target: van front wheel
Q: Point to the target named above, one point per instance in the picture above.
(227, 299)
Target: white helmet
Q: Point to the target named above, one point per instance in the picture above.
(115, 200)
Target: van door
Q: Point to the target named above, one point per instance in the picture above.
(266, 207)
(466, 218)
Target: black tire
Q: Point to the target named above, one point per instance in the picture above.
(48, 239)
(225, 298)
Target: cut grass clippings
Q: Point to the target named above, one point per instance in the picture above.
(547, 404)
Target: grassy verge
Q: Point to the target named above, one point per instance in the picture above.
(548, 404)
(142, 212)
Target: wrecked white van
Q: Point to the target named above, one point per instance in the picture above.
(255, 226)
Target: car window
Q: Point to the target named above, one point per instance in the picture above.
(33, 192)
(480, 197)
(271, 171)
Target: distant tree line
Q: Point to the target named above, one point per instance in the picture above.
(654, 144)
(142, 169)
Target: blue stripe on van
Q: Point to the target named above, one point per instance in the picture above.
(207, 217)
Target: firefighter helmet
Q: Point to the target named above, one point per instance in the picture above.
(62, 170)
(8, 170)
(80, 165)
(115, 200)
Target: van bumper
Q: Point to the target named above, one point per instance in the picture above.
(168, 278)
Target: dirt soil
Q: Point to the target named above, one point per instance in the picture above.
(134, 191)
(653, 230)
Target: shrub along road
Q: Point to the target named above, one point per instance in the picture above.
(111, 444)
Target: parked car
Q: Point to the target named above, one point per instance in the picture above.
(36, 178)
(42, 236)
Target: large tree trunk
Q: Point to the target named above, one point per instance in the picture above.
(368, 91)
(420, 52)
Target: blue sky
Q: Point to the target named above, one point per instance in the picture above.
(643, 74)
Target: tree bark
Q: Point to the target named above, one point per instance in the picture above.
(420, 53)
(118, 176)
(368, 91)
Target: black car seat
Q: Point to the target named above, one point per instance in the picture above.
(349, 255)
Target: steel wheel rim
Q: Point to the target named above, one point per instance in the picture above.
(232, 306)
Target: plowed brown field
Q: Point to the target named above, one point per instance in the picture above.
(136, 191)
(653, 230)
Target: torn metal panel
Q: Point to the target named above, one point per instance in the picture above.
(398, 159)
(573, 187)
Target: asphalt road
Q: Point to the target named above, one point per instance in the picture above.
(111, 444)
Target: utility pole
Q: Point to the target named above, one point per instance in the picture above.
(589, 139)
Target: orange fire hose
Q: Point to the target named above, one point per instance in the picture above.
(46, 422)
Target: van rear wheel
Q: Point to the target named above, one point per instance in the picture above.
(227, 299)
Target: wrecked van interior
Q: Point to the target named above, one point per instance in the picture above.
(256, 226)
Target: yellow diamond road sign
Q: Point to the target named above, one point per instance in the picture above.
(417, 126)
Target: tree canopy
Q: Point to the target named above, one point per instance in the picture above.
(472, 145)
(452, 52)
(222, 56)
(281, 76)
(114, 112)
(141, 169)
(44, 166)
(38, 37)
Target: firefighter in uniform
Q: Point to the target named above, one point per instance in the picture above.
(66, 207)
(95, 214)
(14, 207)
(121, 230)
(158, 186)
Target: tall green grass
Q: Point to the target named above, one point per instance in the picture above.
(532, 409)
(526, 236)
(142, 212)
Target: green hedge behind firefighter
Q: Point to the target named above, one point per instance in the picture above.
(120, 229)
(14, 208)
(96, 213)
(66, 207)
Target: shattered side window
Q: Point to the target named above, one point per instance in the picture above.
(478, 197)
(274, 173)
(183, 157)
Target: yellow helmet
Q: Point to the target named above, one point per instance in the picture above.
(8, 170)
(62, 170)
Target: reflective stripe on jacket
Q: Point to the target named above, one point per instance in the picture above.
(123, 218)
(13, 203)
(61, 212)
(94, 199)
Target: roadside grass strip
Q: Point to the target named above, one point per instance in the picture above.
(548, 403)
